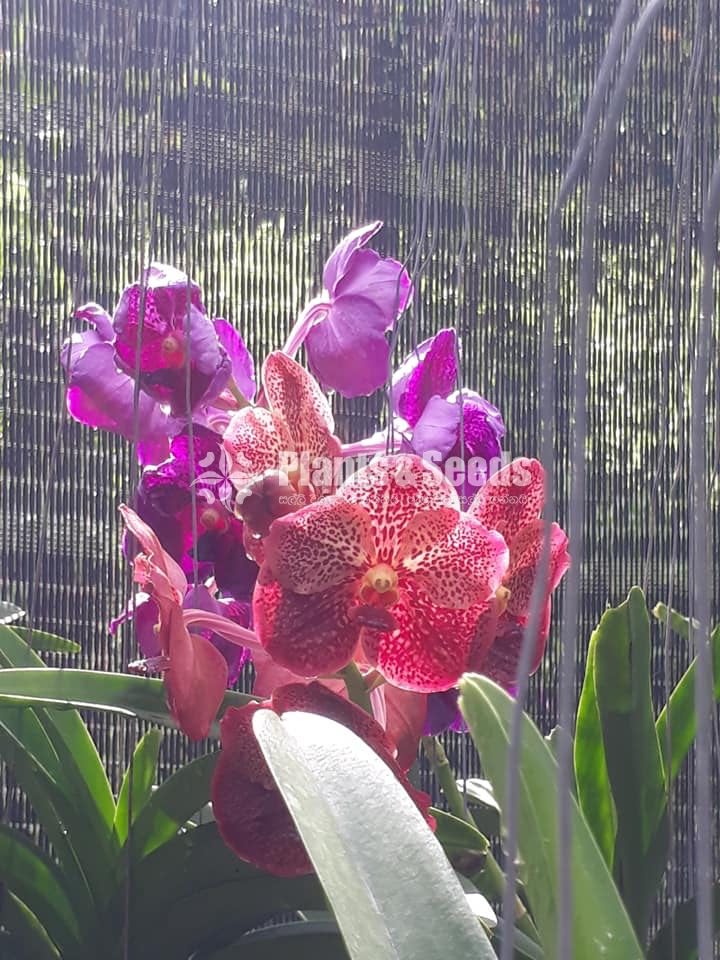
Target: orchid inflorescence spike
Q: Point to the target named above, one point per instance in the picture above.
(408, 557)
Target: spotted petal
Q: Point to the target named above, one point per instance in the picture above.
(255, 439)
(428, 650)
(462, 569)
(429, 371)
(512, 498)
(393, 490)
(319, 546)
(297, 399)
(310, 635)
(525, 557)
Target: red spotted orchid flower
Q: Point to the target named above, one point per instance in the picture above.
(511, 503)
(272, 448)
(387, 571)
(250, 812)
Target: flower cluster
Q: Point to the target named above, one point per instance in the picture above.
(416, 567)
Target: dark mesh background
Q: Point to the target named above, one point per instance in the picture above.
(309, 116)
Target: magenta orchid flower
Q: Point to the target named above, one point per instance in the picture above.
(164, 500)
(344, 330)
(100, 396)
(163, 335)
(459, 431)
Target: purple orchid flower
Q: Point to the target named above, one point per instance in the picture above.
(164, 502)
(344, 330)
(99, 395)
(174, 323)
(455, 429)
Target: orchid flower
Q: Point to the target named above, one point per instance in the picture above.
(441, 423)
(388, 569)
(250, 812)
(164, 500)
(99, 395)
(512, 502)
(195, 672)
(271, 447)
(344, 330)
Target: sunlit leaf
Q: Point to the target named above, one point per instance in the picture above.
(45, 642)
(591, 775)
(137, 783)
(600, 924)
(391, 887)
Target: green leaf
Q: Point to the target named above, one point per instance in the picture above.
(137, 783)
(485, 809)
(46, 642)
(390, 885)
(600, 925)
(677, 940)
(455, 834)
(23, 936)
(591, 775)
(123, 693)
(632, 753)
(36, 880)
(68, 725)
(172, 805)
(64, 822)
(205, 896)
(682, 720)
(320, 940)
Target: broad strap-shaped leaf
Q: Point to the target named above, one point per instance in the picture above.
(172, 805)
(390, 885)
(36, 880)
(682, 720)
(677, 939)
(600, 924)
(137, 783)
(44, 642)
(123, 693)
(15, 653)
(622, 670)
(22, 935)
(194, 893)
(591, 774)
(87, 873)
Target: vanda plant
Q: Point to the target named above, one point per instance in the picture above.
(381, 603)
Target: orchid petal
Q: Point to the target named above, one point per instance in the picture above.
(320, 546)
(525, 557)
(195, 678)
(512, 498)
(430, 370)
(338, 259)
(310, 635)
(242, 366)
(297, 399)
(463, 569)
(347, 350)
(154, 552)
(392, 490)
(381, 280)
(255, 440)
(428, 650)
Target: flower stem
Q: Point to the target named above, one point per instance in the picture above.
(355, 686)
(234, 389)
(491, 880)
(303, 323)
